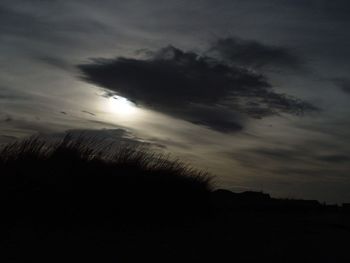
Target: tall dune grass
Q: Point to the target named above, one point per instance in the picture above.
(81, 177)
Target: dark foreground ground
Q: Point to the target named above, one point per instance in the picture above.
(68, 203)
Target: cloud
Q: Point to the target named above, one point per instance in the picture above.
(342, 83)
(255, 54)
(108, 137)
(88, 112)
(335, 158)
(8, 94)
(55, 62)
(193, 87)
(316, 156)
(8, 119)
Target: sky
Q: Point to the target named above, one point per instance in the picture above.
(254, 92)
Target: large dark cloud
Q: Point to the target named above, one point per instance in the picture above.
(254, 54)
(194, 87)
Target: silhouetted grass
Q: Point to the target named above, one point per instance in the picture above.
(81, 178)
(81, 200)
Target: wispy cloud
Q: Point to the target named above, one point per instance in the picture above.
(254, 54)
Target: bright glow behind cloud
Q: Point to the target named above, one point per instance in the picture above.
(121, 106)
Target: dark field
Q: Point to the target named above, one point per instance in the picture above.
(78, 200)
